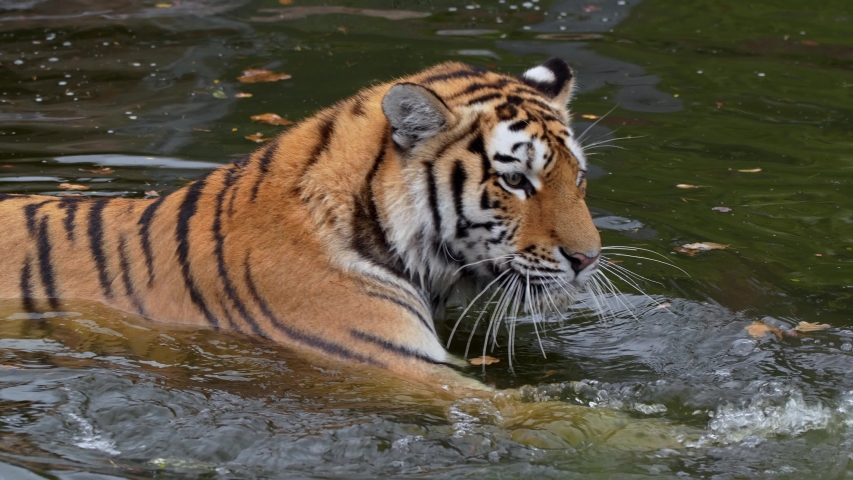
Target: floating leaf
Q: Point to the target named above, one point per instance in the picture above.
(103, 171)
(7, 166)
(484, 360)
(72, 186)
(811, 327)
(760, 329)
(589, 116)
(687, 185)
(219, 94)
(163, 5)
(705, 246)
(750, 170)
(151, 194)
(686, 251)
(243, 95)
(722, 209)
(257, 138)
(257, 75)
(286, 2)
(719, 104)
(809, 43)
(271, 119)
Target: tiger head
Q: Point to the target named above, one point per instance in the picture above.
(497, 175)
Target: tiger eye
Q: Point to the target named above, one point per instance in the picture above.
(514, 179)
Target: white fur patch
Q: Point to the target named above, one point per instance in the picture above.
(577, 151)
(530, 156)
(541, 74)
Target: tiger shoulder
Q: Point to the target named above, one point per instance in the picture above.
(345, 234)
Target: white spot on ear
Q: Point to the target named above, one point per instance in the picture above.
(541, 74)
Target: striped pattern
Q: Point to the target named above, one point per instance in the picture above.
(332, 238)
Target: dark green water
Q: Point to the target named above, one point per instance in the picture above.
(703, 93)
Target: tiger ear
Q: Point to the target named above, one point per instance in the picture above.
(554, 79)
(415, 113)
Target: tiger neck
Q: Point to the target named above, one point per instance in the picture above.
(405, 229)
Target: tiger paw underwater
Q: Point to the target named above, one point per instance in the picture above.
(345, 235)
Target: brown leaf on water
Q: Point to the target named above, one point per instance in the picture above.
(806, 327)
(243, 95)
(258, 75)
(750, 170)
(686, 251)
(103, 171)
(760, 330)
(7, 166)
(286, 2)
(257, 138)
(687, 185)
(589, 116)
(483, 360)
(704, 246)
(809, 43)
(271, 119)
(72, 186)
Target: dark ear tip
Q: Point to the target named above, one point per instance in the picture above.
(560, 67)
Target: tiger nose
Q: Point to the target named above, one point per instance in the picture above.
(579, 261)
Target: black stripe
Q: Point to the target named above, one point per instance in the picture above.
(144, 232)
(477, 86)
(457, 181)
(484, 98)
(433, 198)
(368, 235)
(477, 146)
(96, 243)
(518, 126)
(219, 252)
(392, 347)
(124, 264)
(327, 128)
(500, 157)
(70, 205)
(471, 72)
(326, 346)
(45, 264)
(26, 288)
(263, 168)
(30, 212)
(182, 235)
(427, 323)
(358, 106)
(6, 196)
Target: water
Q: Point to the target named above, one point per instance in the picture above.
(705, 92)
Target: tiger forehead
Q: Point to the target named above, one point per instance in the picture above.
(461, 85)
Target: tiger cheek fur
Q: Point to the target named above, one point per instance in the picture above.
(346, 233)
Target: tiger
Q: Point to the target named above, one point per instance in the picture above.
(344, 235)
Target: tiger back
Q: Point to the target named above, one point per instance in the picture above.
(345, 234)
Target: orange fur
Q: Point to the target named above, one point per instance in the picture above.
(297, 242)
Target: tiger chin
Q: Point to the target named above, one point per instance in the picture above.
(345, 234)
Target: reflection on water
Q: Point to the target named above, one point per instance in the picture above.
(750, 104)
